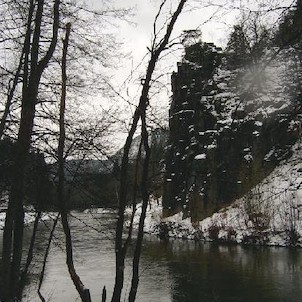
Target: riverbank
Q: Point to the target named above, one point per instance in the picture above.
(29, 217)
(270, 214)
(227, 226)
(174, 270)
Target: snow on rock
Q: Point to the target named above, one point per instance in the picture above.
(200, 156)
(176, 226)
(270, 214)
(29, 217)
(153, 216)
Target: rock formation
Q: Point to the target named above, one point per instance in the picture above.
(228, 127)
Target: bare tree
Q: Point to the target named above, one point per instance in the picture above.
(159, 44)
(32, 72)
(83, 292)
(36, 53)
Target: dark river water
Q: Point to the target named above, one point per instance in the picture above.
(178, 270)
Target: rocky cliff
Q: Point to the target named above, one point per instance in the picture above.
(228, 127)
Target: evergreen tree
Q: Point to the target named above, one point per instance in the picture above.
(290, 29)
(247, 42)
(238, 48)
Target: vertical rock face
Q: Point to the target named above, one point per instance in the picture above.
(228, 129)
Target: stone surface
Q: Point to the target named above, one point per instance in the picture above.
(228, 130)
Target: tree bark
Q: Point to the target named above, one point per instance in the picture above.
(24, 52)
(145, 195)
(30, 254)
(9, 219)
(120, 249)
(41, 277)
(14, 222)
(83, 292)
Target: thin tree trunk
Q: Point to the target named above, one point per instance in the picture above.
(30, 254)
(145, 195)
(41, 278)
(29, 98)
(10, 96)
(120, 249)
(83, 292)
(134, 194)
(9, 218)
(24, 53)
(14, 223)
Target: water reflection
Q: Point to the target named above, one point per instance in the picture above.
(178, 271)
(209, 272)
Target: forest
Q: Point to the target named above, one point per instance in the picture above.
(198, 141)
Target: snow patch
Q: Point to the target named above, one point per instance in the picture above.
(200, 156)
(270, 214)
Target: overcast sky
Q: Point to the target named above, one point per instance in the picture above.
(138, 37)
(195, 15)
(215, 23)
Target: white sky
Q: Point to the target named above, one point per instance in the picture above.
(137, 36)
(223, 14)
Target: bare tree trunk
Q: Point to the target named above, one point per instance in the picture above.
(30, 254)
(134, 194)
(120, 248)
(41, 278)
(10, 94)
(14, 222)
(83, 292)
(24, 53)
(145, 195)
(9, 219)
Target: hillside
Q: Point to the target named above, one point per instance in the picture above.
(229, 126)
(95, 183)
(269, 214)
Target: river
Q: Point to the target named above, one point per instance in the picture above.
(178, 270)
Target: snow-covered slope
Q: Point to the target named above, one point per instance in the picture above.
(28, 218)
(229, 127)
(269, 214)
